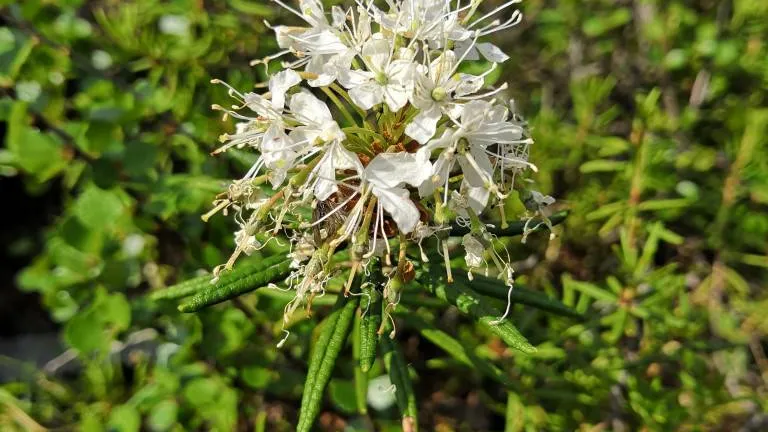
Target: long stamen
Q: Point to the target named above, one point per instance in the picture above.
(484, 95)
(292, 10)
(232, 90)
(493, 12)
(447, 261)
(517, 17)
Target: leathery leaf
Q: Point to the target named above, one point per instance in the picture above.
(398, 375)
(221, 293)
(335, 329)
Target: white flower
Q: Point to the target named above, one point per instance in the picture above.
(320, 38)
(482, 129)
(302, 250)
(436, 126)
(280, 151)
(336, 157)
(328, 67)
(247, 242)
(318, 125)
(433, 94)
(426, 20)
(386, 174)
(474, 251)
(387, 79)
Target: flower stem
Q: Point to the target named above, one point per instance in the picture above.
(340, 105)
(359, 130)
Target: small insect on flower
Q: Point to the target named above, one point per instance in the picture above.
(327, 219)
(330, 214)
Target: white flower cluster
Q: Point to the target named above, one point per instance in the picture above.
(371, 133)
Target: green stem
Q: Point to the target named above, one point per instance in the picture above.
(347, 115)
(359, 130)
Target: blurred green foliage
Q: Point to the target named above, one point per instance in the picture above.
(650, 120)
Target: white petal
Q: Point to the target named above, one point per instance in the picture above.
(498, 113)
(473, 114)
(339, 16)
(405, 53)
(477, 198)
(476, 174)
(330, 131)
(277, 153)
(353, 78)
(285, 35)
(309, 109)
(367, 95)
(280, 83)
(441, 67)
(259, 105)
(469, 84)
(492, 53)
(326, 178)
(474, 251)
(322, 80)
(455, 32)
(376, 52)
(401, 72)
(328, 68)
(390, 170)
(396, 96)
(313, 12)
(397, 202)
(422, 127)
(444, 141)
(277, 176)
(320, 42)
(421, 97)
(305, 137)
(461, 47)
(541, 199)
(275, 139)
(440, 171)
(336, 158)
(345, 159)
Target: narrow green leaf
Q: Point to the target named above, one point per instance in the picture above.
(667, 204)
(361, 378)
(191, 286)
(453, 347)
(520, 294)
(253, 8)
(222, 293)
(590, 289)
(409, 298)
(515, 413)
(602, 165)
(370, 306)
(469, 302)
(334, 332)
(398, 374)
(11, 70)
(606, 210)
